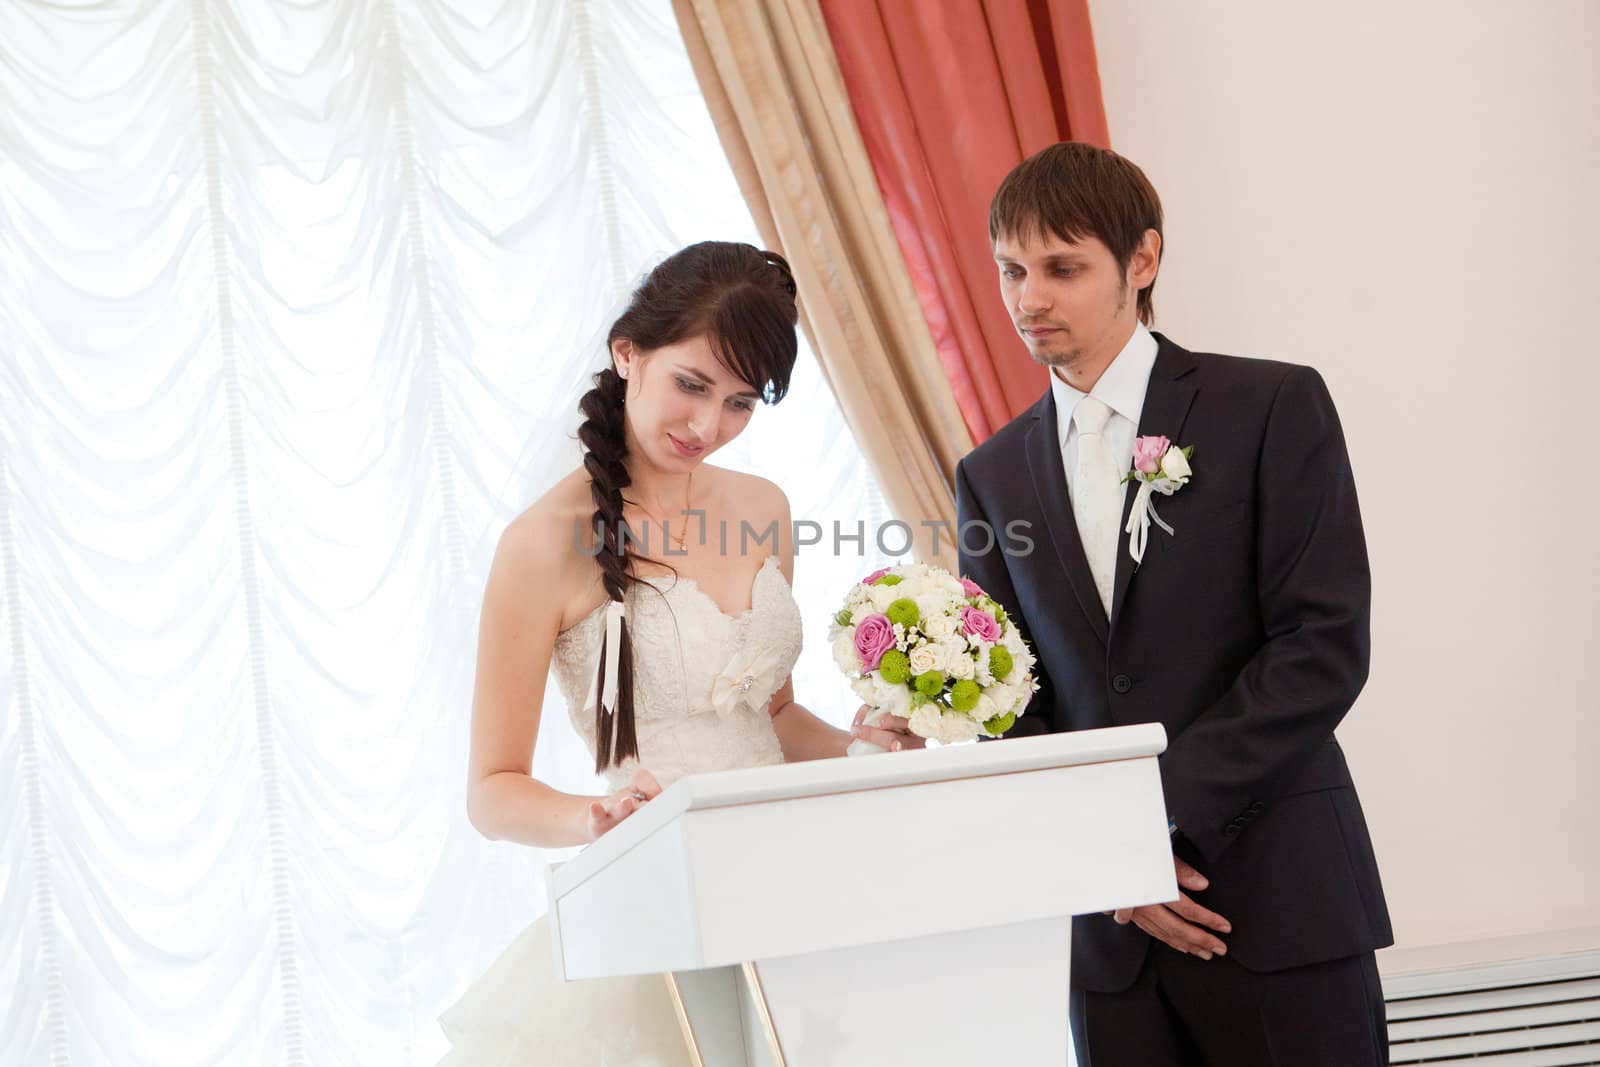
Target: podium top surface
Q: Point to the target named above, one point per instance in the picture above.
(815, 778)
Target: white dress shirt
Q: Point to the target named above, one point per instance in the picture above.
(1121, 388)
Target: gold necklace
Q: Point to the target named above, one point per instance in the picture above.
(665, 529)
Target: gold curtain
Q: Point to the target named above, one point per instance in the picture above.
(770, 79)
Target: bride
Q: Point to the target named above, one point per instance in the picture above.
(648, 579)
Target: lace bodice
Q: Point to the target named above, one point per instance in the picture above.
(702, 678)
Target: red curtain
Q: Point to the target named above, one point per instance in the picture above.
(949, 95)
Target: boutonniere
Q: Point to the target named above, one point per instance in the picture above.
(1159, 466)
(746, 682)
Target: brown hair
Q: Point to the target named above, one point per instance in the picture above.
(743, 300)
(1074, 189)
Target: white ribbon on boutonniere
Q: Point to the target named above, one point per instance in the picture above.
(1159, 466)
(748, 680)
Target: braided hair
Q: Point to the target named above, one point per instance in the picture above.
(742, 299)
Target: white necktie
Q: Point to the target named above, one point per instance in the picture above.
(1097, 494)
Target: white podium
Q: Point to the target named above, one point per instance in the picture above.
(907, 908)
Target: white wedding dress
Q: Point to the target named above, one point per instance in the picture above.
(702, 682)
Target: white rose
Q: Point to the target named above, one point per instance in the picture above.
(961, 666)
(1175, 464)
(844, 653)
(926, 658)
(937, 625)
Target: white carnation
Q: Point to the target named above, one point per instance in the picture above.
(954, 729)
(895, 699)
(844, 653)
(884, 595)
(926, 721)
(984, 677)
(1003, 697)
(955, 645)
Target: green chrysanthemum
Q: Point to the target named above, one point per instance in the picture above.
(964, 695)
(1001, 723)
(930, 683)
(894, 667)
(887, 579)
(1000, 662)
(903, 612)
(843, 618)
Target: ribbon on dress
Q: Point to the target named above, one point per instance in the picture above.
(609, 646)
(1142, 515)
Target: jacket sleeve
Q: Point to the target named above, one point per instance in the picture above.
(988, 569)
(1314, 589)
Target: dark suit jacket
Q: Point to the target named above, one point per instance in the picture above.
(1244, 633)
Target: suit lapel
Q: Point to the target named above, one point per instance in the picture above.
(1166, 405)
(1061, 528)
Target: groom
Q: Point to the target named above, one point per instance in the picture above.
(1244, 632)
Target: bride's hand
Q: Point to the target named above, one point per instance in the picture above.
(606, 812)
(892, 732)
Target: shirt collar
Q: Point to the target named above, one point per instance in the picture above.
(1121, 388)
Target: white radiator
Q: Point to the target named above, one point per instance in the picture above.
(1541, 1012)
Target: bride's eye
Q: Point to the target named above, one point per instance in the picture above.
(689, 386)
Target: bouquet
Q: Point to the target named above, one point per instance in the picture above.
(918, 642)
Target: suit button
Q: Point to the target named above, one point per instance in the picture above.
(1255, 809)
(1231, 829)
(1122, 683)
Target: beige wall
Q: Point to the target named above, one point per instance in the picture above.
(1402, 194)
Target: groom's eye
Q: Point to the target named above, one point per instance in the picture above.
(1010, 272)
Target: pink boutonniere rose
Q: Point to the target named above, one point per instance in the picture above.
(1159, 466)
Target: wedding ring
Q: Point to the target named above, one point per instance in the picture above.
(638, 795)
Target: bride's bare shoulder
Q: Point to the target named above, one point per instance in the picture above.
(751, 495)
(551, 544)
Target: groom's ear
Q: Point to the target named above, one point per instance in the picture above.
(1145, 261)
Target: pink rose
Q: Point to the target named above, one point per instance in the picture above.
(980, 624)
(971, 587)
(874, 637)
(1147, 453)
(875, 575)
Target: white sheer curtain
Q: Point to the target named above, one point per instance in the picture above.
(295, 302)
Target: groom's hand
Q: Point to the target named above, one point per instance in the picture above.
(892, 732)
(1183, 923)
